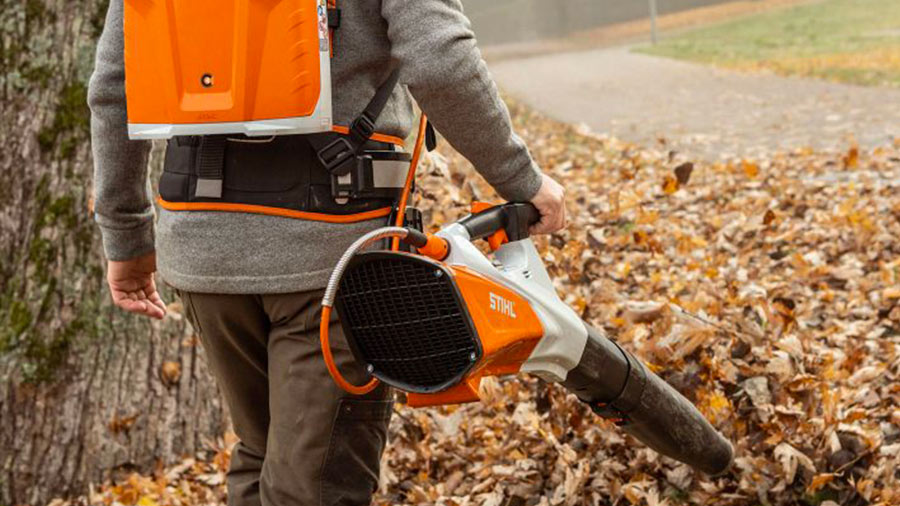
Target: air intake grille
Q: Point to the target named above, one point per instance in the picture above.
(403, 315)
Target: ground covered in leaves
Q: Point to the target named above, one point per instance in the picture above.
(767, 291)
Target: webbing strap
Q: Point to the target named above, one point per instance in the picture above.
(211, 167)
(363, 126)
(334, 21)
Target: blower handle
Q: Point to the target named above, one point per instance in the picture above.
(514, 219)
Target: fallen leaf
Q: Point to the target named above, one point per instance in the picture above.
(683, 173)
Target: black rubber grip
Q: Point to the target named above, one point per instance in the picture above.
(619, 386)
(415, 238)
(514, 218)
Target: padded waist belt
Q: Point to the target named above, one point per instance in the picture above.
(281, 175)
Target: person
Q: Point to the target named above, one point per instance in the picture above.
(251, 284)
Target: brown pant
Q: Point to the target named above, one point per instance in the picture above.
(303, 440)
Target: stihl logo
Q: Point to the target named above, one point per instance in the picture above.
(502, 306)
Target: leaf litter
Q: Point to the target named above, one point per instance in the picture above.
(767, 291)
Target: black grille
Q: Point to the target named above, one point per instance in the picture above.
(404, 317)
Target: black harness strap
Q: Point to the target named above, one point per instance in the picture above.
(211, 166)
(338, 153)
(334, 18)
(334, 22)
(363, 126)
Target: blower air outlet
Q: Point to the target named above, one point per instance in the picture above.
(405, 320)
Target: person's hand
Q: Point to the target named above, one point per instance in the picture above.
(550, 201)
(133, 288)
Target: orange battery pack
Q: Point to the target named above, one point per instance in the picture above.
(207, 67)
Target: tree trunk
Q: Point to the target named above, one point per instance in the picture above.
(85, 390)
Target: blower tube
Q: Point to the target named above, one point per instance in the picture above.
(618, 386)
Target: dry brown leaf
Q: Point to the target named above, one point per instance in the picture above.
(170, 373)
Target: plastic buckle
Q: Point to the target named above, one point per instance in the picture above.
(335, 155)
(354, 183)
(362, 129)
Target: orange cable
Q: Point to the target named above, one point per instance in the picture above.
(332, 367)
(410, 177)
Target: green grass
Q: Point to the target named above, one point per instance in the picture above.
(854, 41)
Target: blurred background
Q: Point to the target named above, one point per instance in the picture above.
(738, 160)
(507, 21)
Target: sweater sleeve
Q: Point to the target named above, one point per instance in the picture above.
(433, 43)
(122, 204)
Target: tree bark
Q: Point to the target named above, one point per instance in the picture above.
(85, 390)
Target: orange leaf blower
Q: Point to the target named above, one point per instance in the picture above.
(433, 324)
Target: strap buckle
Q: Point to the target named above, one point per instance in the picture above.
(336, 155)
(353, 182)
(362, 129)
(340, 155)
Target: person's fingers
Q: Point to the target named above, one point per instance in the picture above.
(154, 311)
(545, 226)
(552, 220)
(133, 306)
(138, 303)
(148, 293)
(539, 226)
(143, 307)
(157, 302)
(547, 221)
(133, 288)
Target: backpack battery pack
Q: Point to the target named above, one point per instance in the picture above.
(207, 67)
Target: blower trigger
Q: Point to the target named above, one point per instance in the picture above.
(498, 238)
(500, 224)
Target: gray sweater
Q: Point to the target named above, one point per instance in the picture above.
(223, 252)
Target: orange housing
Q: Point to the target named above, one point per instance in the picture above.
(508, 330)
(199, 67)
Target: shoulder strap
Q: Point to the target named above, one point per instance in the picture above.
(334, 22)
(363, 126)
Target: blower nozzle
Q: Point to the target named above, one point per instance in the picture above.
(618, 386)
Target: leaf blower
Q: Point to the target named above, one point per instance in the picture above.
(433, 323)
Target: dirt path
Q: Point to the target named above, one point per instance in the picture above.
(701, 110)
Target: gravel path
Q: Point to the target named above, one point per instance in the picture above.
(701, 110)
